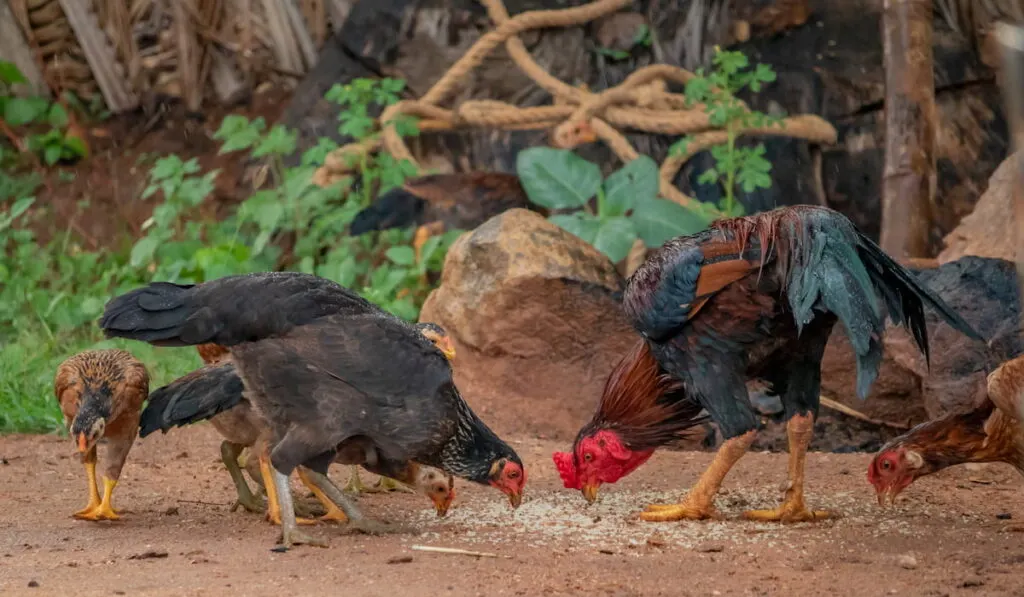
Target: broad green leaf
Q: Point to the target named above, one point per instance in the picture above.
(58, 116)
(19, 207)
(615, 238)
(557, 178)
(658, 220)
(142, 252)
(582, 225)
(10, 73)
(401, 255)
(636, 181)
(52, 154)
(76, 146)
(19, 111)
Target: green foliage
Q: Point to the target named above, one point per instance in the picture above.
(641, 39)
(627, 205)
(52, 295)
(745, 167)
(43, 124)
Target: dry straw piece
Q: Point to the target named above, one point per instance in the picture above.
(640, 103)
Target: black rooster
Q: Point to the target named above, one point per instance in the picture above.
(325, 369)
(750, 298)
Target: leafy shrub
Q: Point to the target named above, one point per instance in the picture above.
(627, 203)
(51, 296)
(45, 123)
(745, 167)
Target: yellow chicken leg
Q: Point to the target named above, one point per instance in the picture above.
(334, 513)
(698, 504)
(94, 494)
(799, 429)
(423, 233)
(105, 509)
(273, 504)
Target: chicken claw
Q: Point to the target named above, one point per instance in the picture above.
(297, 537)
(788, 512)
(368, 526)
(103, 510)
(674, 512)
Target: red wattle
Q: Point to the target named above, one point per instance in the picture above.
(566, 469)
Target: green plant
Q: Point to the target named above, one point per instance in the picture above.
(642, 38)
(627, 204)
(46, 122)
(745, 167)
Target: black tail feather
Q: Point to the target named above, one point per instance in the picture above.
(905, 296)
(397, 208)
(192, 398)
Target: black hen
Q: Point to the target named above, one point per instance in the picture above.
(324, 368)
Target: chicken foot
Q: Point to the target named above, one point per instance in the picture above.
(334, 513)
(699, 503)
(800, 428)
(230, 453)
(99, 508)
(90, 474)
(275, 500)
(383, 485)
(357, 521)
(290, 534)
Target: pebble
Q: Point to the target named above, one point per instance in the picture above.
(907, 562)
(33, 584)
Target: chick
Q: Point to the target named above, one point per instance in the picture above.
(101, 394)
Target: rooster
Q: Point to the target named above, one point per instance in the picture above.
(992, 432)
(330, 374)
(101, 393)
(437, 202)
(750, 298)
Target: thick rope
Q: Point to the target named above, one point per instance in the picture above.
(640, 103)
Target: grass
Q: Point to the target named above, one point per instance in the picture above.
(28, 364)
(50, 299)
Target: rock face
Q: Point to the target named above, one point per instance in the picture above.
(534, 313)
(989, 230)
(985, 292)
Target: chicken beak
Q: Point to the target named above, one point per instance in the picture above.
(441, 507)
(447, 348)
(590, 493)
(83, 445)
(887, 493)
(515, 498)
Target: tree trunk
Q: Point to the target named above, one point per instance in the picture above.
(1011, 79)
(908, 182)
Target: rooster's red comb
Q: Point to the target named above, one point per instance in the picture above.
(566, 469)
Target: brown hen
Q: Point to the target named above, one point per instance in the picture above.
(992, 432)
(101, 393)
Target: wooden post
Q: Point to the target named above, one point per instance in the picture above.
(1011, 42)
(15, 48)
(908, 182)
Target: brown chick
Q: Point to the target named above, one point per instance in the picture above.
(101, 394)
(992, 432)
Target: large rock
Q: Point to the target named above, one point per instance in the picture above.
(989, 231)
(534, 313)
(986, 293)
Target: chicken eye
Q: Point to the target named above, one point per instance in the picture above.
(588, 457)
(513, 474)
(886, 464)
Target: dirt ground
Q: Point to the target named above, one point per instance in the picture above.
(177, 536)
